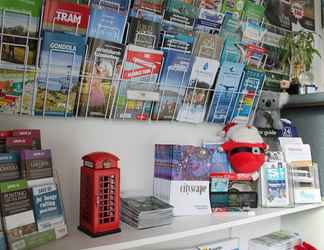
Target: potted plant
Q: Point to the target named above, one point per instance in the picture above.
(298, 53)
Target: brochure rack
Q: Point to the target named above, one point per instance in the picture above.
(150, 93)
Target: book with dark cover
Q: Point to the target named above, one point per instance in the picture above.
(9, 166)
(180, 13)
(16, 209)
(66, 17)
(137, 89)
(272, 81)
(208, 45)
(60, 63)
(278, 13)
(144, 33)
(102, 69)
(35, 134)
(106, 24)
(36, 164)
(48, 207)
(16, 144)
(174, 79)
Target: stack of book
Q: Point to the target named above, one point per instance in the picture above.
(145, 212)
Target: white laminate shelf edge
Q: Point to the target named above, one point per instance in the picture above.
(181, 227)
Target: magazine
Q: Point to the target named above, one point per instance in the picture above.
(209, 21)
(208, 45)
(178, 12)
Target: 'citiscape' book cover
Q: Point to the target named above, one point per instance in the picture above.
(106, 24)
(60, 63)
(138, 88)
(66, 17)
(16, 91)
(99, 86)
(175, 76)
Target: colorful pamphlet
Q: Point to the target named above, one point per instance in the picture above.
(9, 166)
(60, 63)
(174, 79)
(208, 45)
(144, 33)
(180, 13)
(224, 95)
(48, 207)
(276, 183)
(138, 88)
(176, 38)
(34, 134)
(155, 6)
(214, 5)
(16, 209)
(106, 24)
(16, 91)
(66, 17)
(22, 17)
(246, 100)
(36, 164)
(194, 106)
(253, 11)
(234, 7)
(122, 6)
(16, 144)
(99, 86)
(209, 21)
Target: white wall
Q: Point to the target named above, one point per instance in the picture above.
(133, 142)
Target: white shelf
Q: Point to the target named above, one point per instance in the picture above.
(181, 227)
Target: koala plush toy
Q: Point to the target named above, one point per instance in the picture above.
(268, 112)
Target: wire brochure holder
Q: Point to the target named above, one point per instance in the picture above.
(148, 98)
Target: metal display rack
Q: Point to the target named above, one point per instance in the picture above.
(150, 98)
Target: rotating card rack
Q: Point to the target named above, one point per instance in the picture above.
(149, 102)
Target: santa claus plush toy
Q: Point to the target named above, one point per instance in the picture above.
(244, 147)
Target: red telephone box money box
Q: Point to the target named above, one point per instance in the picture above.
(100, 194)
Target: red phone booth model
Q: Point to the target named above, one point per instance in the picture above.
(100, 194)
